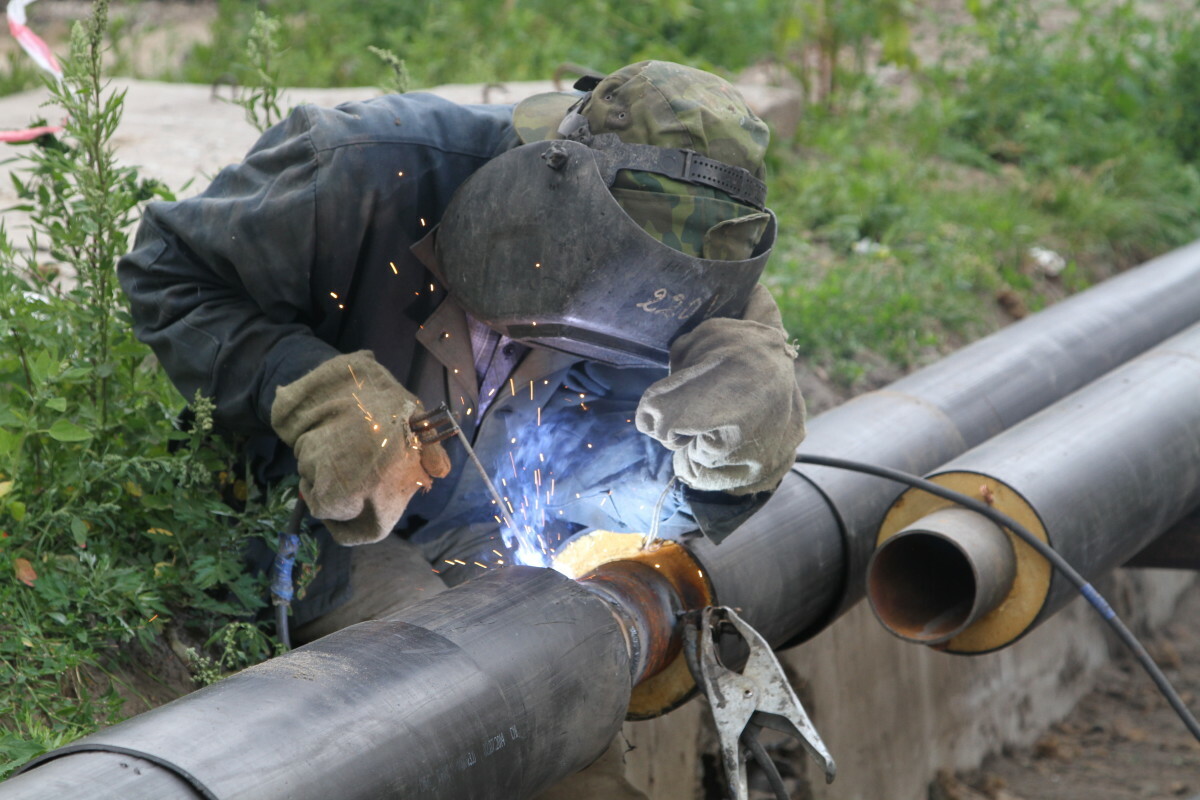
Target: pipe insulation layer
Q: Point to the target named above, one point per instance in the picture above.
(1097, 475)
(498, 688)
(801, 561)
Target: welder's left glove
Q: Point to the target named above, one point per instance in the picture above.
(730, 409)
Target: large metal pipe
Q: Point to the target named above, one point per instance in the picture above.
(495, 689)
(1098, 475)
(939, 575)
(412, 704)
(801, 561)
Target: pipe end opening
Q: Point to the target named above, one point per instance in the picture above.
(922, 587)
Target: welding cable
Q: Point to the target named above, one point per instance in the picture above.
(750, 739)
(282, 586)
(1003, 520)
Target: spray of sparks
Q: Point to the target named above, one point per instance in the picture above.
(581, 464)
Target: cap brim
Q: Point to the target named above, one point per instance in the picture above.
(537, 118)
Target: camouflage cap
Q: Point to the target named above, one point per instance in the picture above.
(663, 104)
(670, 105)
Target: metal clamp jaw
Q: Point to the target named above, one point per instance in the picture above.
(744, 703)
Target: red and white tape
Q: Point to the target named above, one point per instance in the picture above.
(38, 50)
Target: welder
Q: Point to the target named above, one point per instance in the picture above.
(575, 277)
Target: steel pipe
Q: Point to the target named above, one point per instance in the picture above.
(1097, 476)
(801, 561)
(494, 689)
(939, 575)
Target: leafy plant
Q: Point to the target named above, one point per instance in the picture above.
(115, 520)
(260, 100)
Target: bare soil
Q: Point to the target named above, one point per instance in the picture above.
(1120, 743)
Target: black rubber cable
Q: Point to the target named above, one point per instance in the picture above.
(1003, 520)
(750, 738)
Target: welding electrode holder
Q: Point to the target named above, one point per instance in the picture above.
(744, 703)
(430, 427)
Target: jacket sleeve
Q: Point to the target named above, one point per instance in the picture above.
(219, 283)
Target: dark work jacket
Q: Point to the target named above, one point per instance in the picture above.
(303, 251)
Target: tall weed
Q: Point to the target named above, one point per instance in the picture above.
(115, 521)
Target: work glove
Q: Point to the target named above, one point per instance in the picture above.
(730, 409)
(359, 462)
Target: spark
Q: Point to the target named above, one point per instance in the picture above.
(534, 324)
(492, 392)
(152, 618)
(456, 370)
(361, 407)
(513, 462)
(504, 483)
(469, 410)
(375, 427)
(400, 174)
(531, 390)
(448, 561)
(497, 552)
(422, 222)
(658, 566)
(333, 295)
(545, 383)
(542, 457)
(460, 562)
(341, 307)
(537, 265)
(476, 563)
(498, 520)
(512, 387)
(539, 415)
(700, 572)
(589, 445)
(392, 264)
(431, 288)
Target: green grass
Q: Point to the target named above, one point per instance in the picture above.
(1062, 140)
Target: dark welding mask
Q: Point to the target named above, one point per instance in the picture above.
(635, 210)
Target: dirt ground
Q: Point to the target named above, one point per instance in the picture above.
(1121, 742)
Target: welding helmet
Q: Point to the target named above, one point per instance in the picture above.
(633, 212)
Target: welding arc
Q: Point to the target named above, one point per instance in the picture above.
(1003, 520)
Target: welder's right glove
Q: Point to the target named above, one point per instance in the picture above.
(359, 463)
(731, 409)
